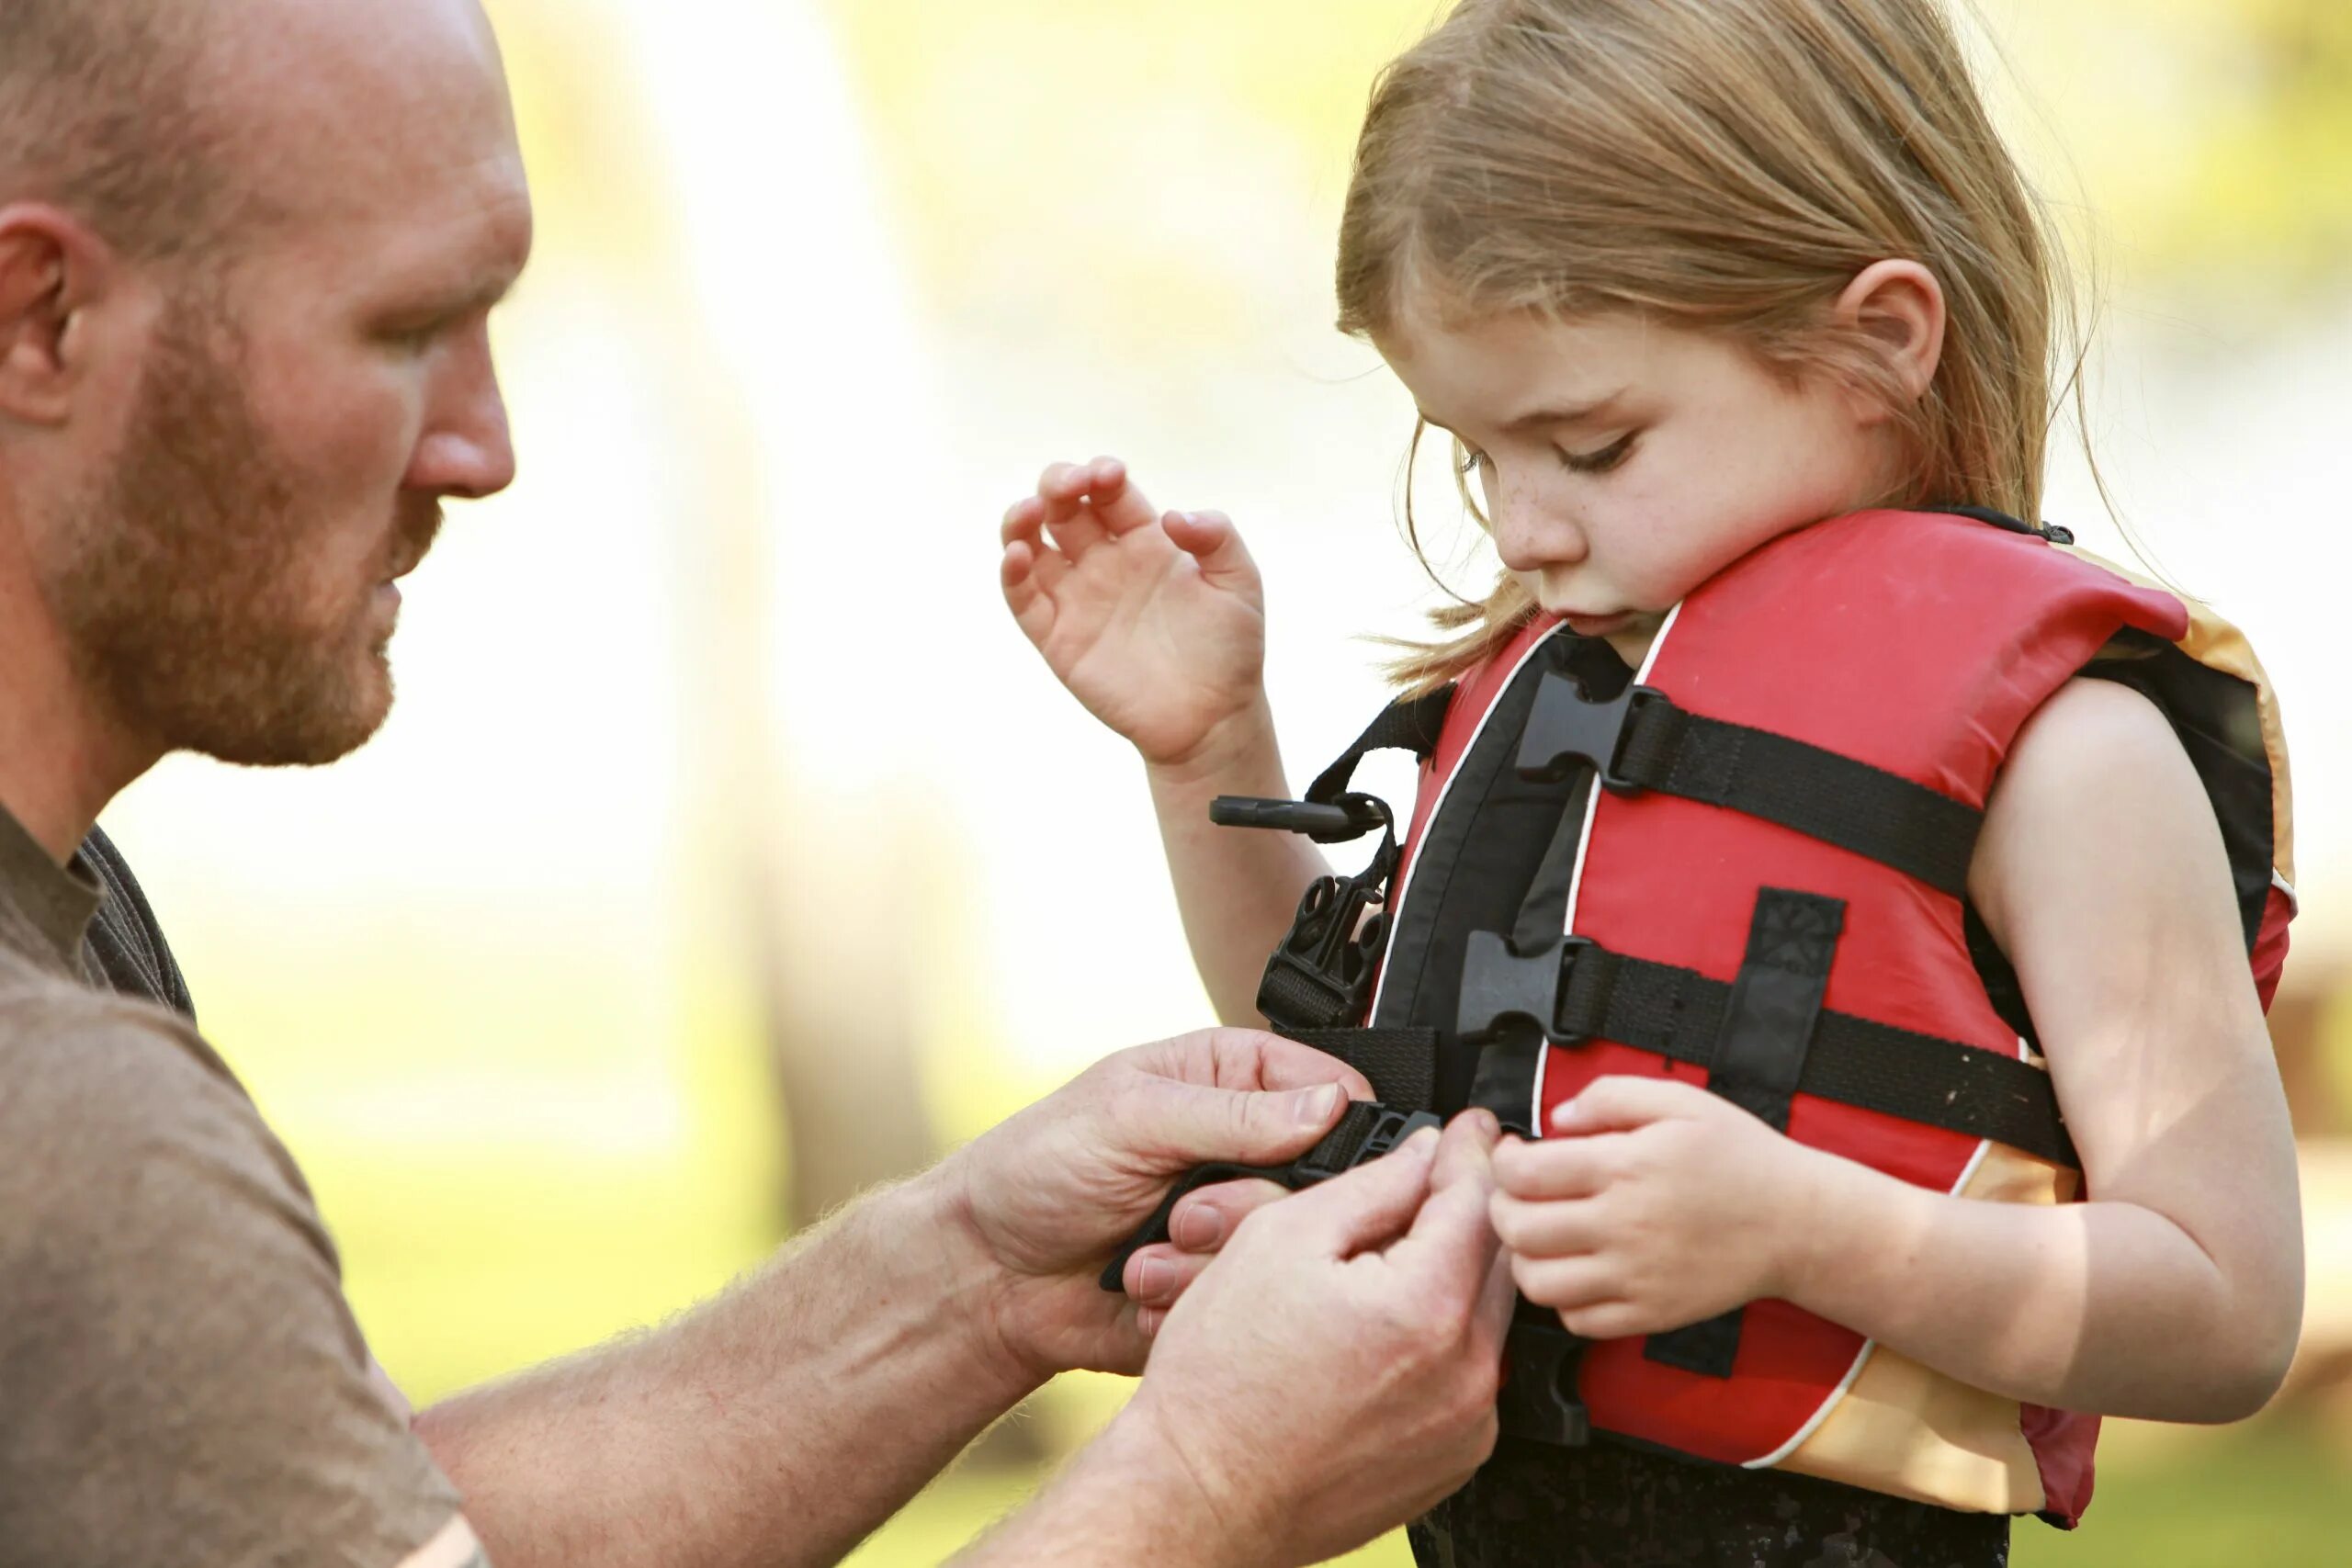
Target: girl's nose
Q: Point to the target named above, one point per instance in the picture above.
(1529, 536)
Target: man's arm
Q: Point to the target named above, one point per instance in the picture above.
(784, 1421)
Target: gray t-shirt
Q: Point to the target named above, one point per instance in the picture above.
(181, 1380)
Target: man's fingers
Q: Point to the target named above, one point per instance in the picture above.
(1190, 1124)
(1232, 1058)
(1156, 1275)
(1206, 1218)
(1367, 1208)
(1451, 1237)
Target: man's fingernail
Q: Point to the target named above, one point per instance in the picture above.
(1198, 1229)
(1314, 1107)
(1153, 1277)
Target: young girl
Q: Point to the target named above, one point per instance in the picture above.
(1853, 811)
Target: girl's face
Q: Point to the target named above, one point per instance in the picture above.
(1624, 463)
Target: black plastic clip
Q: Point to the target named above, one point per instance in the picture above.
(1350, 817)
(1499, 986)
(1366, 1131)
(1539, 1394)
(1565, 728)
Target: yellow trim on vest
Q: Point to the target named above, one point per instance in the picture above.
(1905, 1430)
(2218, 644)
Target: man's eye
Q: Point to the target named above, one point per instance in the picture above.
(1600, 462)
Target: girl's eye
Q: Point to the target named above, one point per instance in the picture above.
(1600, 462)
(1473, 461)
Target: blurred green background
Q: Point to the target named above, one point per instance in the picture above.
(728, 851)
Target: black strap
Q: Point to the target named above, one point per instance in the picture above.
(1581, 991)
(1641, 740)
(1400, 1062)
(1364, 1132)
(1758, 1061)
(1408, 724)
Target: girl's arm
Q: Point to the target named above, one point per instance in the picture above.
(1238, 888)
(1156, 623)
(2174, 1294)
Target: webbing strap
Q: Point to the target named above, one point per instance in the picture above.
(1408, 724)
(1641, 740)
(1579, 991)
(1758, 1064)
(1400, 1062)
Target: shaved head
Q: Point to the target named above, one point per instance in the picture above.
(102, 112)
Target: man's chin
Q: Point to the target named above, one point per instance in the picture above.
(322, 726)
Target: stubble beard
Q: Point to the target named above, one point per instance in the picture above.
(184, 594)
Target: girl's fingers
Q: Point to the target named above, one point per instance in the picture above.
(1116, 502)
(1069, 517)
(1022, 520)
(1210, 539)
(1545, 1229)
(1565, 1284)
(1029, 576)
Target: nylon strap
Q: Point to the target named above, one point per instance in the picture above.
(1400, 1062)
(1643, 742)
(1679, 1014)
(1408, 724)
(1758, 1061)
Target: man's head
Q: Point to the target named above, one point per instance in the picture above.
(247, 253)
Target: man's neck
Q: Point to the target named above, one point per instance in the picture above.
(63, 756)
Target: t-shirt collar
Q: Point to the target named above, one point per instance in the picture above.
(51, 904)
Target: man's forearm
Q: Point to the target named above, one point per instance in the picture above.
(777, 1425)
(1120, 1500)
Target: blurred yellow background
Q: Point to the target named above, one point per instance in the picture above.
(730, 849)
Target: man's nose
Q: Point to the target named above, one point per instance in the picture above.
(468, 449)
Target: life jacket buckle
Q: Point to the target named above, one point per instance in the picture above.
(1565, 728)
(1539, 1399)
(1326, 822)
(1499, 986)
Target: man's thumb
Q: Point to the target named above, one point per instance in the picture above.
(1251, 1127)
(1366, 1207)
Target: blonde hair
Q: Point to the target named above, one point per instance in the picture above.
(1717, 165)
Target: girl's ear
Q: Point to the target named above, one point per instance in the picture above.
(1899, 306)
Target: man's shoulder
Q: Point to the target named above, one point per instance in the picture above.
(97, 1088)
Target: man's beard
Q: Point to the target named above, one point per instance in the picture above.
(182, 595)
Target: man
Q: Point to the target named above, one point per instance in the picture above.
(247, 253)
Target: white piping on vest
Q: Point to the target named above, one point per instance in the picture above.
(2294, 905)
(1413, 860)
(1584, 843)
(1861, 1357)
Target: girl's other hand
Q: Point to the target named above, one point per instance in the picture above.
(1156, 622)
(1653, 1205)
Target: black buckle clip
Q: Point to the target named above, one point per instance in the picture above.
(1329, 955)
(1539, 1394)
(1389, 1129)
(1565, 728)
(1336, 822)
(1499, 986)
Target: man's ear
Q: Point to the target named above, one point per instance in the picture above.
(1899, 306)
(53, 270)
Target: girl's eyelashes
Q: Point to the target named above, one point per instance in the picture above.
(1473, 460)
(1600, 462)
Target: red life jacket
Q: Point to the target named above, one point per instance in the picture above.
(1776, 906)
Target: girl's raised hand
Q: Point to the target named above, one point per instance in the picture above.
(1156, 622)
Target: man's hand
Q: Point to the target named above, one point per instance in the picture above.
(1047, 1196)
(1332, 1376)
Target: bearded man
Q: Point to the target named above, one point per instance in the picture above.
(248, 251)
